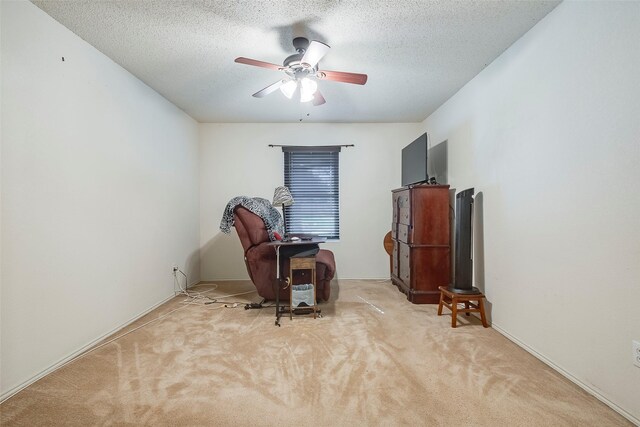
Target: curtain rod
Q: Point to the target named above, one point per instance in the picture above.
(277, 145)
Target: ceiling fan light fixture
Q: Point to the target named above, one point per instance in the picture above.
(289, 88)
(308, 88)
(301, 70)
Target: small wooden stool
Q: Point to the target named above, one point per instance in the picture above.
(451, 300)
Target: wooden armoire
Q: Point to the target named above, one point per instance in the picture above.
(421, 258)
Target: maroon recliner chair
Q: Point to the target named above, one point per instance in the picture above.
(260, 258)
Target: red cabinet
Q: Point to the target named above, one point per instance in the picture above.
(421, 242)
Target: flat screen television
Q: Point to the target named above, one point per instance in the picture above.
(414, 162)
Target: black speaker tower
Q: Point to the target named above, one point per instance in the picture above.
(463, 278)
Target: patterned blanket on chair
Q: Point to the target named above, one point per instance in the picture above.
(259, 206)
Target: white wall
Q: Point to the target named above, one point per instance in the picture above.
(549, 133)
(235, 160)
(99, 194)
(1, 197)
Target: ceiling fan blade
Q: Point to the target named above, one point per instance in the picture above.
(314, 53)
(256, 63)
(271, 88)
(340, 76)
(318, 99)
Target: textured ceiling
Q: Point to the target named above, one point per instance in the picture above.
(417, 53)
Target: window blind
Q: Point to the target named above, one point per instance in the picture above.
(312, 176)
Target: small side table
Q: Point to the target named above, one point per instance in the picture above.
(306, 263)
(277, 244)
(451, 299)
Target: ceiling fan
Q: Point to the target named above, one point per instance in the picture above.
(302, 71)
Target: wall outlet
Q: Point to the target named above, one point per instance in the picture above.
(636, 352)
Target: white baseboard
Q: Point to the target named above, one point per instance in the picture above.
(568, 375)
(6, 395)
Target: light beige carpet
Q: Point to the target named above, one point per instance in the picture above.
(373, 359)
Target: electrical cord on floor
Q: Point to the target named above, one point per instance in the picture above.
(210, 301)
(200, 298)
(184, 291)
(226, 303)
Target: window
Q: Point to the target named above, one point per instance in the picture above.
(311, 174)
